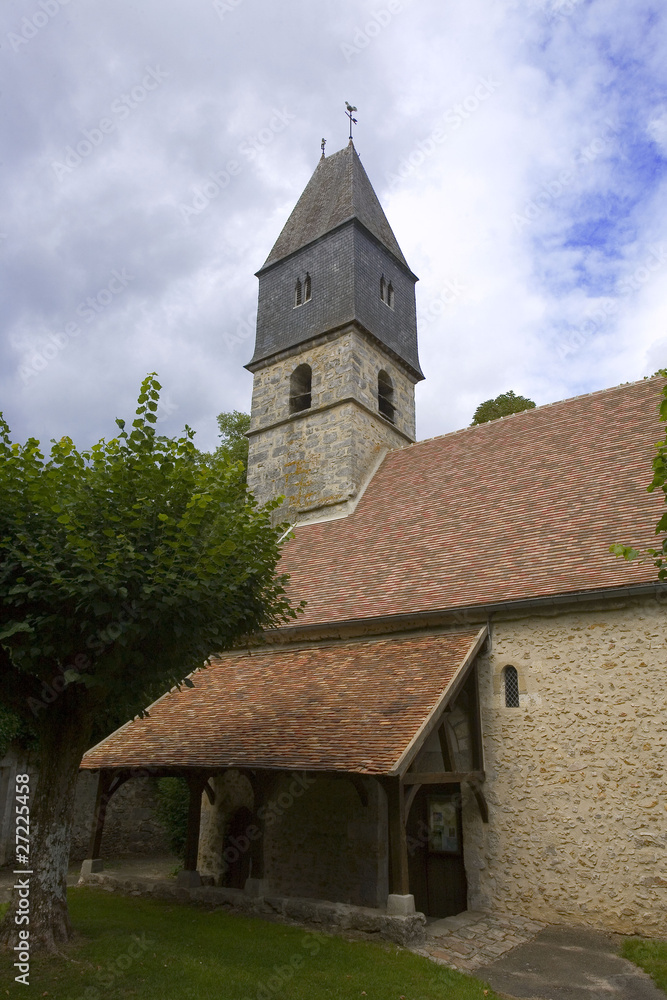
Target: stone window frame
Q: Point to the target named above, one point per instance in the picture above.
(499, 685)
(301, 388)
(385, 396)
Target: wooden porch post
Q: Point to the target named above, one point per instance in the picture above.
(400, 901)
(107, 784)
(93, 862)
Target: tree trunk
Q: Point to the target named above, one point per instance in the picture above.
(64, 737)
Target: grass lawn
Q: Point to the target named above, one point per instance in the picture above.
(132, 947)
(651, 956)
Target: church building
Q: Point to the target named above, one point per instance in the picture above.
(471, 711)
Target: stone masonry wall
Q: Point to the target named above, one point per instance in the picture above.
(320, 841)
(576, 775)
(320, 457)
(131, 825)
(326, 844)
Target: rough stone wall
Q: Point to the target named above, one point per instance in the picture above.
(576, 775)
(320, 841)
(131, 825)
(232, 790)
(325, 845)
(320, 457)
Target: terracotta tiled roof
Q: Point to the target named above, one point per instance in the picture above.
(351, 706)
(517, 508)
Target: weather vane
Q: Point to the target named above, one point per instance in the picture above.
(349, 113)
(323, 144)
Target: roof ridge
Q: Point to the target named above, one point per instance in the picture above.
(532, 409)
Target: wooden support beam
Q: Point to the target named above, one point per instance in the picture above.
(399, 882)
(410, 795)
(196, 784)
(104, 780)
(480, 798)
(442, 777)
(210, 794)
(360, 788)
(108, 783)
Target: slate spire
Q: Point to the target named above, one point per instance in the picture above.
(338, 192)
(336, 262)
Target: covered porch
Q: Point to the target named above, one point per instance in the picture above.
(338, 772)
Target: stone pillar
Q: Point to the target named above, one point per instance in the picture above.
(257, 884)
(189, 877)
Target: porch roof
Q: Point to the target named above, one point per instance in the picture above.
(355, 706)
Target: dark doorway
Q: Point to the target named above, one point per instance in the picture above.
(435, 851)
(236, 849)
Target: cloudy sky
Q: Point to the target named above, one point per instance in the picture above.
(153, 149)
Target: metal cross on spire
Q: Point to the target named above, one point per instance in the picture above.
(349, 113)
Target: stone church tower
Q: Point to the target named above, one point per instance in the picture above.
(335, 362)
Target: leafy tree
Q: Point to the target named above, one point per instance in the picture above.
(172, 804)
(14, 732)
(233, 445)
(122, 568)
(501, 406)
(659, 481)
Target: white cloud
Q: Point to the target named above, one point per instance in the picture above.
(516, 145)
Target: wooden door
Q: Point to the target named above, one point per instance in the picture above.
(435, 851)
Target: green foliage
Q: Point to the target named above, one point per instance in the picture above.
(501, 406)
(659, 482)
(14, 731)
(149, 950)
(123, 567)
(651, 956)
(233, 445)
(172, 800)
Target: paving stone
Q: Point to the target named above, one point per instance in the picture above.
(461, 947)
(494, 934)
(497, 949)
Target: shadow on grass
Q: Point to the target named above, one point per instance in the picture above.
(131, 947)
